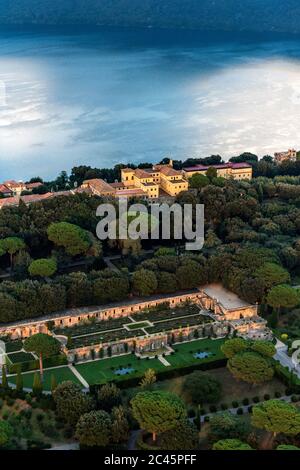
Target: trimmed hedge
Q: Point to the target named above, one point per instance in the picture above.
(288, 378)
(52, 361)
(166, 374)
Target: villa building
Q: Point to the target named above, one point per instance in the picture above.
(290, 155)
(236, 171)
(147, 183)
(99, 187)
(16, 187)
(154, 180)
(219, 313)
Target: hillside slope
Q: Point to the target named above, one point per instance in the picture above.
(239, 15)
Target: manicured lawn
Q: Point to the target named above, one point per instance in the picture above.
(20, 357)
(184, 354)
(61, 374)
(102, 371)
(232, 390)
(12, 346)
(135, 326)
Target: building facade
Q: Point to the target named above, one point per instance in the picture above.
(236, 171)
(290, 155)
(153, 181)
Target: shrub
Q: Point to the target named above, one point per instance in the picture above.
(256, 399)
(235, 404)
(239, 411)
(246, 401)
(267, 396)
(36, 444)
(250, 409)
(294, 398)
(206, 419)
(10, 401)
(40, 416)
(213, 408)
(224, 406)
(277, 394)
(202, 388)
(191, 413)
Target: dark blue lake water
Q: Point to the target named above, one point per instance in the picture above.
(107, 96)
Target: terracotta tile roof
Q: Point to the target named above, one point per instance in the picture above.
(99, 186)
(142, 173)
(117, 184)
(4, 189)
(130, 192)
(127, 170)
(33, 185)
(14, 184)
(169, 171)
(234, 166)
(31, 198)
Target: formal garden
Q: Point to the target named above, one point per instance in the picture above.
(128, 368)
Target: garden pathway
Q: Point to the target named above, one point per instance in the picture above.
(245, 408)
(163, 361)
(79, 376)
(70, 446)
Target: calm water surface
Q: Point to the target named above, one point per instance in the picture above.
(107, 96)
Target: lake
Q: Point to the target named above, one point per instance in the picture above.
(103, 96)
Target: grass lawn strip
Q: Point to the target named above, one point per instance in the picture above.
(61, 374)
(102, 370)
(21, 356)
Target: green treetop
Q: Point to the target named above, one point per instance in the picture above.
(157, 412)
(74, 239)
(42, 267)
(277, 416)
(250, 367)
(231, 444)
(43, 345)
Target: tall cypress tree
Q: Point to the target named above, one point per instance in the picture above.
(4, 378)
(19, 382)
(37, 386)
(53, 383)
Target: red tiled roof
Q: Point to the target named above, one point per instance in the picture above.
(99, 186)
(33, 185)
(234, 166)
(130, 192)
(169, 171)
(4, 189)
(31, 198)
(141, 173)
(14, 184)
(118, 184)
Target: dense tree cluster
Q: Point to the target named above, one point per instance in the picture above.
(32, 298)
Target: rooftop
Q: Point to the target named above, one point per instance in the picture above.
(99, 185)
(234, 166)
(228, 299)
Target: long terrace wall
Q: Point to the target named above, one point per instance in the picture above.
(23, 330)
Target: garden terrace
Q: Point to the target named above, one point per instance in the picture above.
(165, 311)
(178, 323)
(101, 371)
(91, 326)
(13, 346)
(21, 356)
(104, 337)
(184, 352)
(61, 374)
